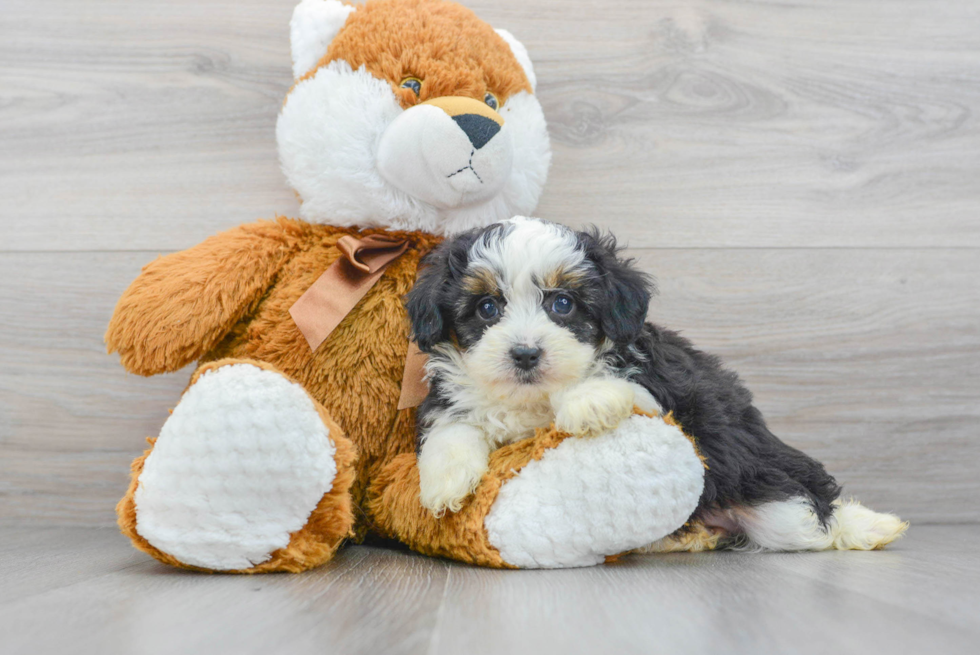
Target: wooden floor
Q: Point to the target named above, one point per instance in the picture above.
(802, 177)
(80, 591)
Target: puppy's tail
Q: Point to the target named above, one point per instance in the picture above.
(793, 525)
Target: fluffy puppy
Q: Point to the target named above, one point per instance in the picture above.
(528, 323)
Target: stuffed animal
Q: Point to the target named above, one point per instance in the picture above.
(408, 120)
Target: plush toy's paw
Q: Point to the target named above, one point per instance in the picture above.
(243, 468)
(593, 407)
(587, 499)
(452, 461)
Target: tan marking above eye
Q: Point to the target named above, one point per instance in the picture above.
(481, 282)
(562, 279)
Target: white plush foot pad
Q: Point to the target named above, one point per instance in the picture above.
(593, 497)
(239, 465)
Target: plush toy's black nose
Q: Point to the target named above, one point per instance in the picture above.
(478, 129)
(525, 358)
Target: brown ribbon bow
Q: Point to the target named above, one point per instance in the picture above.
(335, 293)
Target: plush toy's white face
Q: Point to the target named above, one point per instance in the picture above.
(410, 115)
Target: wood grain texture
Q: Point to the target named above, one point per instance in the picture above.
(146, 125)
(33, 561)
(94, 594)
(803, 177)
(869, 360)
(711, 603)
(71, 418)
(365, 601)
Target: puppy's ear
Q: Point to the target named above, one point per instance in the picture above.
(424, 301)
(624, 291)
(428, 303)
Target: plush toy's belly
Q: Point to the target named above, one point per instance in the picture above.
(357, 372)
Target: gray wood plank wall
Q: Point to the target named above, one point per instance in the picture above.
(802, 177)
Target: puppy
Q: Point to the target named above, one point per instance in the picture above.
(529, 323)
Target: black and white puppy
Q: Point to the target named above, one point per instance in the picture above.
(529, 323)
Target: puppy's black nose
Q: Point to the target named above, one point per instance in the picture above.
(478, 129)
(525, 358)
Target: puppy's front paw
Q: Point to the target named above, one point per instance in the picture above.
(451, 463)
(593, 407)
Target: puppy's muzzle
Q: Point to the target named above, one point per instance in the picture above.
(525, 358)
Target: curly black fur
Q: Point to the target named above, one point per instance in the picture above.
(747, 464)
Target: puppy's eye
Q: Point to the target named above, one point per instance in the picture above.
(563, 304)
(413, 83)
(487, 308)
(491, 100)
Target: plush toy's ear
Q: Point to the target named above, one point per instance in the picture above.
(625, 292)
(520, 52)
(314, 25)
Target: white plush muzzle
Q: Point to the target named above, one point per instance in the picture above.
(428, 155)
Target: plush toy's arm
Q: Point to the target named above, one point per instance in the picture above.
(182, 304)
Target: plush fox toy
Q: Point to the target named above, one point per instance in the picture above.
(408, 120)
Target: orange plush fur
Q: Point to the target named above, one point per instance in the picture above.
(442, 44)
(202, 295)
(227, 301)
(354, 377)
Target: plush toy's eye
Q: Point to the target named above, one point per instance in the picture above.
(491, 100)
(563, 304)
(413, 83)
(487, 308)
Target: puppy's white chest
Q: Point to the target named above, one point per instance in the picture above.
(507, 425)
